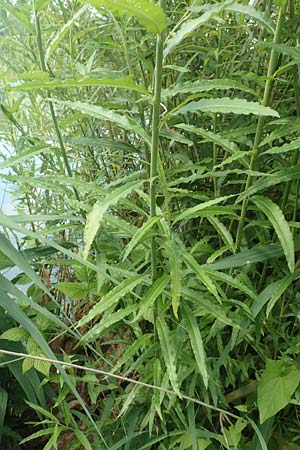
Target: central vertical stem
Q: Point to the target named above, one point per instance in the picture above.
(158, 73)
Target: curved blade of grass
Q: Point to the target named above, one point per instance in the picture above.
(3, 405)
(19, 316)
(281, 227)
(192, 328)
(280, 288)
(223, 232)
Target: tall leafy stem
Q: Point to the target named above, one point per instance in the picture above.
(158, 74)
(261, 120)
(36, 15)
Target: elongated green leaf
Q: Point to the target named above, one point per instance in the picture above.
(279, 289)
(201, 273)
(96, 331)
(148, 14)
(19, 14)
(95, 217)
(293, 52)
(137, 345)
(280, 176)
(59, 36)
(112, 298)
(190, 213)
(252, 12)
(168, 352)
(19, 316)
(175, 262)
(191, 25)
(232, 281)
(223, 231)
(139, 235)
(281, 378)
(108, 115)
(192, 328)
(25, 155)
(81, 436)
(122, 83)
(210, 136)
(227, 105)
(9, 250)
(151, 295)
(291, 146)
(204, 86)
(281, 227)
(3, 405)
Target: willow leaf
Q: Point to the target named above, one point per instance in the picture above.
(107, 115)
(227, 105)
(175, 262)
(139, 235)
(58, 37)
(223, 232)
(95, 216)
(122, 83)
(192, 24)
(151, 295)
(281, 227)
(201, 274)
(190, 213)
(112, 298)
(168, 352)
(107, 322)
(149, 15)
(193, 330)
(198, 86)
(279, 290)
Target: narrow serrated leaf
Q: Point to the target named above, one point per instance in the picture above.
(281, 227)
(227, 105)
(168, 352)
(193, 330)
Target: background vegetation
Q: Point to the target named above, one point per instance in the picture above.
(154, 154)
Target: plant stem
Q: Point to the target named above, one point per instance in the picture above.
(52, 112)
(261, 122)
(155, 139)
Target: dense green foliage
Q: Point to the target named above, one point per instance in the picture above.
(154, 152)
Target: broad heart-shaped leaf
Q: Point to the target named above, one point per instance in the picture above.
(227, 105)
(149, 15)
(99, 209)
(168, 352)
(281, 227)
(108, 115)
(276, 387)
